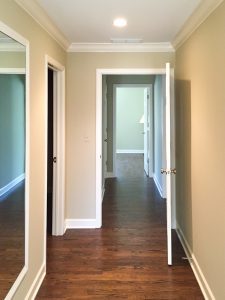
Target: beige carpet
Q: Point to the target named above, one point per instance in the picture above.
(129, 165)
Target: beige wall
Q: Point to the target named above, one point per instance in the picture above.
(200, 81)
(12, 59)
(81, 92)
(40, 44)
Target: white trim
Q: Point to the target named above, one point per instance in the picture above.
(98, 135)
(16, 284)
(129, 151)
(159, 188)
(36, 284)
(199, 275)
(13, 34)
(59, 172)
(121, 47)
(114, 127)
(13, 71)
(110, 175)
(81, 223)
(99, 74)
(41, 17)
(124, 71)
(11, 184)
(197, 18)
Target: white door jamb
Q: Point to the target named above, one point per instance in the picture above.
(58, 223)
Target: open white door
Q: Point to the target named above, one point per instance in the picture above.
(146, 130)
(169, 170)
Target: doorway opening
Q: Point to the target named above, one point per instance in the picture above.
(133, 127)
(169, 128)
(55, 149)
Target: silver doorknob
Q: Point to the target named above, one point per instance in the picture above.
(163, 171)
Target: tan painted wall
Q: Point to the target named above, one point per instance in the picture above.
(81, 92)
(200, 81)
(40, 44)
(12, 59)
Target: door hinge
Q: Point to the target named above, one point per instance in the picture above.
(54, 159)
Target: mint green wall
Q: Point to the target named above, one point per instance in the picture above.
(12, 127)
(129, 110)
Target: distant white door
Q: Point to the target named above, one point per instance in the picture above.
(170, 161)
(146, 130)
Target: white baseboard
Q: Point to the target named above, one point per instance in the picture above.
(36, 283)
(129, 151)
(11, 184)
(16, 284)
(159, 188)
(204, 286)
(110, 175)
(81, 223)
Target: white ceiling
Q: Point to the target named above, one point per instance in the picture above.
(86, 25)
(90, 21)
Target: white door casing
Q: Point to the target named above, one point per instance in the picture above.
(99, 74)
(104, 135)
(58, 218)
(146, 131)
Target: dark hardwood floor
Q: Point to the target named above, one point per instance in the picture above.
(12, 234)
(126, 258)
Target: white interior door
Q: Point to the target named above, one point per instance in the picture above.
(170, 161)
(146, 130)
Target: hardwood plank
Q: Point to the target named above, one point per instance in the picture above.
(12, 235)
(126, 258)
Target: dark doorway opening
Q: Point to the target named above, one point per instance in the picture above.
(50, 151)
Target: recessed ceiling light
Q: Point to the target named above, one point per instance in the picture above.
(120, 22)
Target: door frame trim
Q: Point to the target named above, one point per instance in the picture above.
(133, 85)
(58, 224)
(99, 74)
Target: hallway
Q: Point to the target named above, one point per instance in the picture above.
(127, 258)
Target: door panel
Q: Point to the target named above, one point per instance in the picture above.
(170, 157)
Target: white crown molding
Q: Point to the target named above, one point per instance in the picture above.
(196, 19)
(123, 47)
(40, 16)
